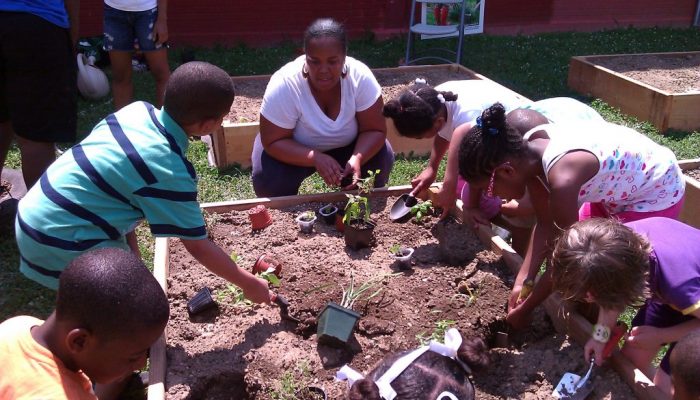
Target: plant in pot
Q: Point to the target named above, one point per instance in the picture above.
(328, 213)
(337, 320)
(402, 254)
(266, 265)
(359, 227)
(306, 221)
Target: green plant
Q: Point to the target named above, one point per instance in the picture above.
(395, 249)
(466, 292)
(421, 209)
(234, 257)
(352, 294)
(270, 276)
(307, 215)
(438, 333)
(232, 295)
(293, 383)
(357, 208)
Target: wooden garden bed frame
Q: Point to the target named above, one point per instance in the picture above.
(562, 314)
(665, 110)
(232, 143)
(691, 205)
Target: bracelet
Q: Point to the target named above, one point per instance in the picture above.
(601, 333)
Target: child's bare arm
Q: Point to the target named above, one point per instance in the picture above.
(216, 261)
(650, 337)
(427, 176)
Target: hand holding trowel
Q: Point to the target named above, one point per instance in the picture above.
(574, 387)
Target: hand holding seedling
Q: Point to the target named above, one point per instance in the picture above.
(353, 169)
(328, 168)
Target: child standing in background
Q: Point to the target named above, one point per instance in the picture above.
(654, 262)
(146, 23)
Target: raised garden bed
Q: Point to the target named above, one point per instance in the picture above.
(243, 351)
(689, 213)
(233, 143)
(662, 88)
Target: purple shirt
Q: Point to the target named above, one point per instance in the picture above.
(674, 267)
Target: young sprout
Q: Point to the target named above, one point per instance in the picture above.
(422, 209)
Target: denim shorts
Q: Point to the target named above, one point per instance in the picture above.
(124, 28)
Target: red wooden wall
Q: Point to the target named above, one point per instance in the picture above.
(206, 22)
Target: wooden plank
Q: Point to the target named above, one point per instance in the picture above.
(690, 163)
(691, 204)
(684, 111)
(158, 360)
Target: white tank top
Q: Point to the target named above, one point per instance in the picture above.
(132, 5)
(635, 173)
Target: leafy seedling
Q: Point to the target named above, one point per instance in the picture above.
(234, 257)
(438, 333)
(270, 277)
(307, 215)
(232, 295)
(421, 210)
(357, 208)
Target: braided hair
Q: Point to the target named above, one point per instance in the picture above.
(429, 375)
(416, 109)
(488, 144)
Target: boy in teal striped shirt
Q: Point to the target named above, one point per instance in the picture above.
(131, 167)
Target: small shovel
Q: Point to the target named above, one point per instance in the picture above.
(283, 303)
(572, 386)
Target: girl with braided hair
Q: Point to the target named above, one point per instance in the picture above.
(447, 110)
(571, 171)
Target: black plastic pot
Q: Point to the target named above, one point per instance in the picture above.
(328, 213)
(359, 234)
(336, 324)
(311, 392)
(200, 302)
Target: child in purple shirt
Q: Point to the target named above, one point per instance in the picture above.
(653, 263)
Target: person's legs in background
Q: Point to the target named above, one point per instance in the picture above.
(156, 53)
(40, 91)
(119, 43)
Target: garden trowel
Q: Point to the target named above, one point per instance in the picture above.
(283, 304)
(574, 387)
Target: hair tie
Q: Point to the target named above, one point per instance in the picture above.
(420, 80)
(441, 98)
(491, 131)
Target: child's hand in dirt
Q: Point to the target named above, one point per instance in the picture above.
(519, 318)
(445, 199)
(645, 337)
(594, 348)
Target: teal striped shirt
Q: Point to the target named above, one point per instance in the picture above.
(131, 167)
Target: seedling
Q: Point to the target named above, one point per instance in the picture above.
(294, 383)
(234, 257)
(398, 250)
(307, 215)
(438, 333)
(232, 295)
(422, 209)
(270, 276)
(352, 294)
(357, 208)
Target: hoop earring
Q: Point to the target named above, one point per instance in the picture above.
(344, 72)
(304, 72)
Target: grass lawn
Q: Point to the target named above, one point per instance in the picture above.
(535, 66)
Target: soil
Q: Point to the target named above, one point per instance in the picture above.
(675, 74)
(240, 351)
(693, 173)
(249, 92)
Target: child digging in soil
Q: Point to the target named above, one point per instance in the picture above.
(654, 262)
(433, 372)
(685, 368)
(132, 167)
(608, 169)
(109, 310)
(444, 112)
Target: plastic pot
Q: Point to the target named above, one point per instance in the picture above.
(306, 225)
(201, 301)
(265, 262)
(311, 392)
(336, 324)
(359, 234)
(328, 213)
(404, 256)
(259, 217)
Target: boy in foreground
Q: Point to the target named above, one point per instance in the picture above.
(109, 310)
(130, 168)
